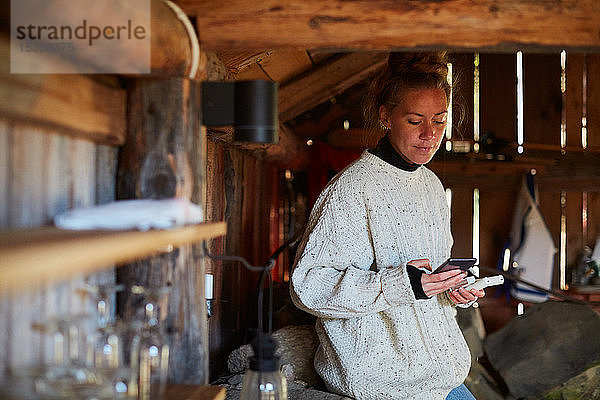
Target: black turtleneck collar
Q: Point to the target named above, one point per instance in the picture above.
(387, 153)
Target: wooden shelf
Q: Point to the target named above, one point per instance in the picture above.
(29, 256)
(586, 289)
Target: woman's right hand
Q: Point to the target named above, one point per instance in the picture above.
(439, 283)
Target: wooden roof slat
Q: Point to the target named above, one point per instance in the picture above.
(326, 81)
(239, 60)
(278, 65)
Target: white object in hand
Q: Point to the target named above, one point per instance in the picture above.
(143, 214)
(482, 283)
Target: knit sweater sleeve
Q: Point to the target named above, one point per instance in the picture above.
(333, 275)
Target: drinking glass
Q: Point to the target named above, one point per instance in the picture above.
(70, 373)
(109, 360)
(149, 346)
(104, 296)
(110, 342)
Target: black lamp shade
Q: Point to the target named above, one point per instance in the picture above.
(217, 103)
(256, 112)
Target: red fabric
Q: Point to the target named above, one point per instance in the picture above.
(326, 159)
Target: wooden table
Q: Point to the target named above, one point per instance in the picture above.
(195, 392)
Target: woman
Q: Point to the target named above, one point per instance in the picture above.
(386, 326)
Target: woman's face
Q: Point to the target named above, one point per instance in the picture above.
(416, 125)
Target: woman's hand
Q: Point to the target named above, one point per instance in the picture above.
(446, 281)
(439, 283)
(464, 296)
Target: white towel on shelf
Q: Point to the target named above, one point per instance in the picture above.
(132, 214)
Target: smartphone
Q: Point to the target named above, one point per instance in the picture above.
(456, 263)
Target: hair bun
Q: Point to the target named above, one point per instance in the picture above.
(415, 63)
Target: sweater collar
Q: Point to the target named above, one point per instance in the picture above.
(387, 153)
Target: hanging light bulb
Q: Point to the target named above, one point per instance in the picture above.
(263, 380)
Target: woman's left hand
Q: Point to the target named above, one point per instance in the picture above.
(464, 296)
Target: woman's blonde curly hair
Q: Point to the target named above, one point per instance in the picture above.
(403, 71)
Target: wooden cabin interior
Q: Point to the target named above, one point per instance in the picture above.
(75, 140)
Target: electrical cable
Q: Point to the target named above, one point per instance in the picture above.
(312, 61)
(537, 287)
(239, 259)
(270, 314)
(264, 71)
(265, 271)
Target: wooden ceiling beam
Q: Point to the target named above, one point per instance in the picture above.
(383, 24)
(326, 81)
(290, 151)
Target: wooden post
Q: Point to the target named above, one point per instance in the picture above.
(163, 157)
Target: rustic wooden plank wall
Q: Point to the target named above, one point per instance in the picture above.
(219, 338)
(463, 96)
(239, 191)
(542, 124)
(462, 222)
(593, 98)
(574, 99)
(497, 76)
(542, 98)
(593, 226)
(44, 173)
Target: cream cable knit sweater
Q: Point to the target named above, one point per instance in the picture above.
(376, 340)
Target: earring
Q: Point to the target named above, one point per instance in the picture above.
(383, 126)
